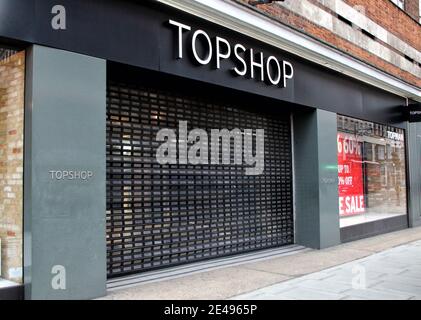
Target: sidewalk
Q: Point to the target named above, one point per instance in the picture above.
(399, 266)
(394, 274)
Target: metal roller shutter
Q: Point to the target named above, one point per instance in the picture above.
(164, 215)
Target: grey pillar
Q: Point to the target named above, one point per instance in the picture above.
(316, 179)
(64, 186)
(414, 170)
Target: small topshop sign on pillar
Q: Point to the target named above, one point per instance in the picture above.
(82, 175)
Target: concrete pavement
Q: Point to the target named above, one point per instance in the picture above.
(394, 274)
(252, 280)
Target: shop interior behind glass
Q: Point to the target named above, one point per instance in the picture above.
(371, 171)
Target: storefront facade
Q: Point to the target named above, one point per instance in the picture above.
(93, 202)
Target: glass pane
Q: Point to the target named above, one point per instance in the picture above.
(371, 171)
(12, 76)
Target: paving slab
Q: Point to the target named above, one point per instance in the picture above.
(412, 273)
(371, 294)
(386, 241)
(347, 279)
(326, 285)
(302, 293)
(399, 288)
(302, 264)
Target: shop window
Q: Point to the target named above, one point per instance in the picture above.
(12, 75)
(371, 171)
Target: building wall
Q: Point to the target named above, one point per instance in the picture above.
(12, 76)
(374, 31)
(402, 26)
(412, 8)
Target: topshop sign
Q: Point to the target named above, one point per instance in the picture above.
(246, 62)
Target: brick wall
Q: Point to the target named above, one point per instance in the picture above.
(382, 12)
(412, 8)
(388, 15)
(11, 164)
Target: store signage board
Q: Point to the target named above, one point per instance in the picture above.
(413, 112)
(145, 39)
(202, 50)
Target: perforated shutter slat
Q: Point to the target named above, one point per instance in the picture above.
(163, 215)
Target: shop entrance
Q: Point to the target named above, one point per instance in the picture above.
(161, 215)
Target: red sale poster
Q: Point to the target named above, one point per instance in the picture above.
(350, 175)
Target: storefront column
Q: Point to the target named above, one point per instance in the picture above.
(316, 179)
(64, 176)
(414, 161)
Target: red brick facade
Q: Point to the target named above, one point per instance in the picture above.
(412, 8)
(393, 19)
(382, 12)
